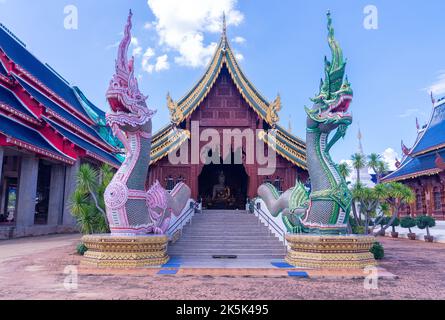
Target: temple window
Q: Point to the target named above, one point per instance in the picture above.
(437, 194)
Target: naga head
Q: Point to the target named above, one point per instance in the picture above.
(331, 105)
(129, 111)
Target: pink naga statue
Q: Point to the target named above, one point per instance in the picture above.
(131, 209)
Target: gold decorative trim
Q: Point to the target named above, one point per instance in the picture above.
(330, 252)
(109, 251)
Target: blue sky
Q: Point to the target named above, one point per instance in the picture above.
(281, 46)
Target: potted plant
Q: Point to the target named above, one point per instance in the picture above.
(408, 223)
(426, 222)
(395, 224)
(382, 222)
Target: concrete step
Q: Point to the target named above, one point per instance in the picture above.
(222, 232)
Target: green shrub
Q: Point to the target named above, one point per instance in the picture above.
(81, 249)
(358, 229)
(378, 251)
(423, 222)
(408, 223)
(395, 224)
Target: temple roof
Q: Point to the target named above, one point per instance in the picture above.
(430, 142)
(3, 70)
(422, 165)
(287, 145)
(168, 139)
(90, 149)
(25, 137)
(223, 56)
(59, 111)
(17, 51)
(35, 96)
(8, 99)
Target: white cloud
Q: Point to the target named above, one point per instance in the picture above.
(390, 156)
(239, 57)
(146, 59)
(149, 25)
(239, 40)
(181, 26)
(162, 63)
(137, 48)
(438, 87)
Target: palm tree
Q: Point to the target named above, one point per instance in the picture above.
(396, 195)
(373, 161)
(345, 170)
(87, 201)
(368, 200)
(358, 163)
(382, 169)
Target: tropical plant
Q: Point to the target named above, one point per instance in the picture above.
(368, 201)
(378, 251)
(408, 223)
(81, 249)
(396, 195)
(425, 222)
(87, 201)
(358, 163)
(381, 170)
(379, 166)
(345, 170)
(394, 224)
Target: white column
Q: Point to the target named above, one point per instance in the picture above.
(70, 186)
(27, 191)
(55, 207)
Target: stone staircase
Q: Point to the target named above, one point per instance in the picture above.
(227, 233)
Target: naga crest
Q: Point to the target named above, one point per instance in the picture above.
(127, 103)
(332, 103)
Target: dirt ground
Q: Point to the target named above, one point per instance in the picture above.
(37, 268)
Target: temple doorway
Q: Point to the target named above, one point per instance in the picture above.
(223, 187)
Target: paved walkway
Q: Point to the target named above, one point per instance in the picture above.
(438, 232)
(37, 268)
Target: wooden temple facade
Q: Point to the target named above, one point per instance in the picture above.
(224, 99)
(423, 167)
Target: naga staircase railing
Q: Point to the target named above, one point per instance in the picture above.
(270, 223)
(184, 219)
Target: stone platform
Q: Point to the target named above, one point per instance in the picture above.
(122, 251)
(330, 252)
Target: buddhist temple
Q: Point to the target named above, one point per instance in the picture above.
(422, 167)
(224, 99)
(48, 128)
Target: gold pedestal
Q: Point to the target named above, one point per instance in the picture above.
(120, 251)
(330, 252)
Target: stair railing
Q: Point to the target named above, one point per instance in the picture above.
(270, 223)
(183, 219)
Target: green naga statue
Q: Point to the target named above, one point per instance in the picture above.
(326, 209)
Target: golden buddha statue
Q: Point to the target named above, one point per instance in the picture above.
(222, 196)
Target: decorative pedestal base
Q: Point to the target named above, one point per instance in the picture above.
(330, 252)
(120, 251)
